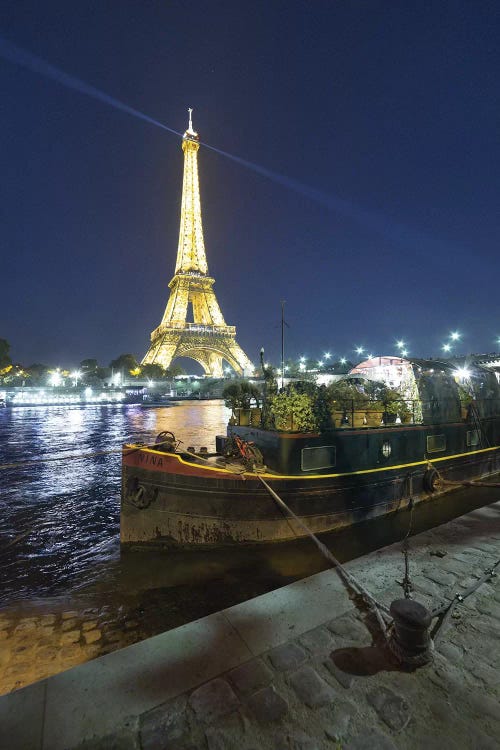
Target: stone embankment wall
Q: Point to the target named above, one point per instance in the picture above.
(38, 646)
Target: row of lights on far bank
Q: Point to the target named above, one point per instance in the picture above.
(447, 347)
(58, 377)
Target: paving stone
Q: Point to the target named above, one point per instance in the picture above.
(391, 708)
(446, 676)
(131, 624)
(483, 705)
(47, 619)
(250, 676)
(120, 740)
(296, 741)
(451, 652)
(288, 656)
(485, 626)
(113, 636)
(4, 635)
(338, 729)
(467, 582)
(69, 615)
(24, 628)
(46, 631)
(350, 628)
(317, 641)
(89, 625)
(91, 636)
(488, 607)
(443, 578)
(370, 739)
(267, 705)
(164, 726)
(482, 671)
(69, 625)
(421, 583)
(456, 567)
(310, 688)
(218, 739)
(344, 678)
(47, 653)
(471, 556)
(73, 636)
(485, 546)
(213, 700)
(442, 710)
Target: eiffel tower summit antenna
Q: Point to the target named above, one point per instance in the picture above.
(207, 339)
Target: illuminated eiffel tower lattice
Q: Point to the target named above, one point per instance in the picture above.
(207, 339)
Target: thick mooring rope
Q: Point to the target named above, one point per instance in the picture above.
(375, 606)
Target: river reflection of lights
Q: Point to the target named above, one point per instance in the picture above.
(69, 509)
(41, 398)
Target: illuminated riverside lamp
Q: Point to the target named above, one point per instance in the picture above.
(207, 340)
(462, 374)
(55, 378)
(76, 375)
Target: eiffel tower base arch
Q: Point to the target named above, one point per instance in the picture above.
(208, 350)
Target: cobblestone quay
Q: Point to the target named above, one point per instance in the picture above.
(301, 668)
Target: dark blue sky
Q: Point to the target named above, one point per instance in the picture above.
(387, 113)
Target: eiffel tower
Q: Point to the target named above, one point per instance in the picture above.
(207, 340)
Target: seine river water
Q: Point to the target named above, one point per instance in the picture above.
(59, 528)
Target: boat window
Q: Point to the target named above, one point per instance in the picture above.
(321, 457)
(436, 443)
(472, 438)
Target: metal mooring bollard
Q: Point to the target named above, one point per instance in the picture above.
(410, 641)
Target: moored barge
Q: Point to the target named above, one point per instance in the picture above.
(341, 475)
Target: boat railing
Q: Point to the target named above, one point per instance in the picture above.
(350, 413)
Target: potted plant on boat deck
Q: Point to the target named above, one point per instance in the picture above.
(292, 409)
(466, 399)
(348, 403)
(239, 396)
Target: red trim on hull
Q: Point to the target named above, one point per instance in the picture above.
(170, 463)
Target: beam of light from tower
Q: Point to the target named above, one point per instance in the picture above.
(397, 232)
(18, 56)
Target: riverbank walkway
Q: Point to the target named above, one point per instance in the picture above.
(299, 668)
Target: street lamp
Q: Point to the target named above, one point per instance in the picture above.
(76, 375)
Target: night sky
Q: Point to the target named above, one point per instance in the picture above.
(377, 121)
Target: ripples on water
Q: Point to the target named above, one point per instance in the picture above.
(69, 510)
(65, 515)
